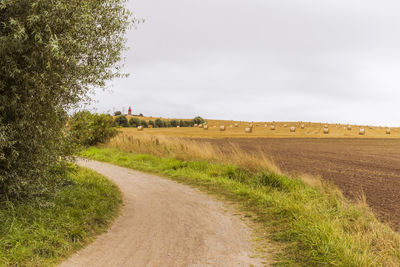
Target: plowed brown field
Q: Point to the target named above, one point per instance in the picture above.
(369, 166)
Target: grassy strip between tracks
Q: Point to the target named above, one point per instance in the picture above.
(42, 232)
(315, 225)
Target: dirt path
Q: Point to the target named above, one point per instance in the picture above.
(164, 223)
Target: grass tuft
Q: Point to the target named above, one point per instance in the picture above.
(41, 232)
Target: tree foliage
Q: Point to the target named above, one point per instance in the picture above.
(134, 122)
(121, 120)
(198, 120)
(52, 53)
(88, 129)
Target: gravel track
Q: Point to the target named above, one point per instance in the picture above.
(164, 223)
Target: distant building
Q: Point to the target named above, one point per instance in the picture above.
(129, 111)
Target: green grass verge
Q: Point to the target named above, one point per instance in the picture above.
(43, 232)
(317, 226)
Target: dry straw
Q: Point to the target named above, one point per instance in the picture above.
(189, 149)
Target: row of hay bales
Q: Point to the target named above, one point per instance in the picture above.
(250, 127)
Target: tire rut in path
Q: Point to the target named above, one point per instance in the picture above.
(164, 223)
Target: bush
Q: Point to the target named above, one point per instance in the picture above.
(134, 122)
(198, 120)
(158, 123)
(117, 113)
(144, 123)
(87, 129)
(121, 120)
(152, 123)
(174, 123)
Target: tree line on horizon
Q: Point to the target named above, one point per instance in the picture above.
(122, 121)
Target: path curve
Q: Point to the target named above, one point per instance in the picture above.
(164, 223)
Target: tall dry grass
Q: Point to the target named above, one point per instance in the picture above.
(188, 149)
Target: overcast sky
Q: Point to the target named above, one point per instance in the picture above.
(263, 60)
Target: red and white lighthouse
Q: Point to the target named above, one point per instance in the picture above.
(129, 111)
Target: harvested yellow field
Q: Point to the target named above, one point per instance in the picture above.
(235, 129)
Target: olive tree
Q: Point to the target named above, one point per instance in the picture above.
(52, 53)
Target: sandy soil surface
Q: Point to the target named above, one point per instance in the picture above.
(369, 166)
(164, 223)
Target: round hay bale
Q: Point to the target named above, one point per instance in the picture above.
(215, 126)
(178, 126)
(205, 127)
(362, 131)
(200, 125)
(285, 125)
(349, 127)
(140, 128)
(231, 126)
(236, 125)
(292, 129)
(266, 125)
(251, 125)
(326, 130)
(150, 126)
(272, 127)
(195, 125)
(222, 128)
(388, 131)
(248, 130)
(302, 126)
